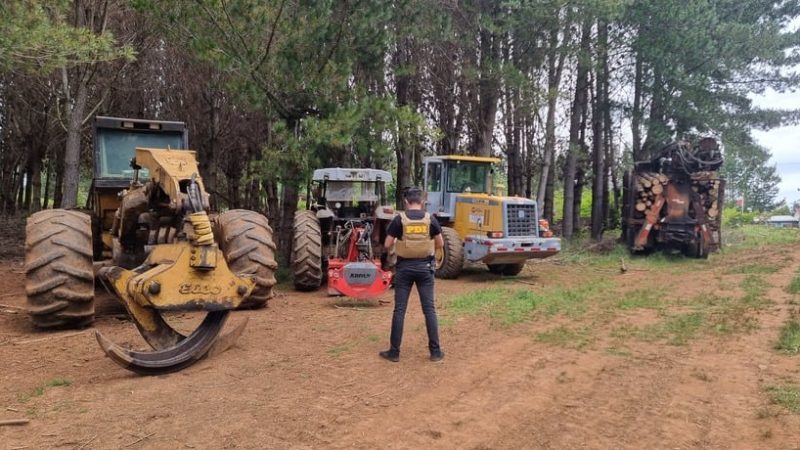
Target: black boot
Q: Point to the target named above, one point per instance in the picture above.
(437, 355)
(390, 355)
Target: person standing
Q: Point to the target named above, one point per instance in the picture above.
(415, 234)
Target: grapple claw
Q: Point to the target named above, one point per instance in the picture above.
(183, 354)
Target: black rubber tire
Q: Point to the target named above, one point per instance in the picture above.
(453, 259)
(245, 238)
(307, 264)
(496, 269)
(508, 270)
(511, 270)
(59, 278)
(697, 249)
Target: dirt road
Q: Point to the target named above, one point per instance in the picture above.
(607, 364)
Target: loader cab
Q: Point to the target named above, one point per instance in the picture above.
(448, 176)
(115, 143)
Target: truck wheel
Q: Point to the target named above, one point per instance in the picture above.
(511, 270)
(496, 269)
(59, 279)
(697, 249)
(307, 267)
(246, 240)
(450, 259)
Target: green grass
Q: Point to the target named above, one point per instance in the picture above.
(640, 298)
(794, 285)
(562, 336)
(676, 330)
(618, 351)
(755, 289)
(699, 315)
(337, 350)
(509, 306)
(748, 269)
(786, 396)
(789, 339)
(40, 389)
(55, 382)
(748, 236)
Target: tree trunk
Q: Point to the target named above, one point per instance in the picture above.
(598, 138)
(580, 180)
(636, 114)
(555, 66)
(404, 151)
(611, 211)
(57, 191)
(516, 171)
(210, 157)
(288, 207)
(273, 201)
(488, 93)
(657, 130)
(35, 172)
(72, 151)
(549, 193)
(47, 179)
(576, 115)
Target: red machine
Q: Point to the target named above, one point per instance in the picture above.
(354, 271)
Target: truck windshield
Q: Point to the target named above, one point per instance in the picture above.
(467, 176)
(116, 148)
(348, 191)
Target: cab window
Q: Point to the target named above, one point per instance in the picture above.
(434, 181)
(118, 147)
(467, 176)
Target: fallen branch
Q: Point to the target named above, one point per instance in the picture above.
(11, 422)
(139, 440)
(353, 308)
(87, 442)
(55, 336)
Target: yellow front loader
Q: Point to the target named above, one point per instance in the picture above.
(154, 245)
(478, 225)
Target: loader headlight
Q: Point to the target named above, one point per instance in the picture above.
(544, 225)
(337, 205)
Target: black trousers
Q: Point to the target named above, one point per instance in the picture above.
(410, 272)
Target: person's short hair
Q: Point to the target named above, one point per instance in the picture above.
(413, 194)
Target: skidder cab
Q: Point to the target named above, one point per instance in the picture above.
(479, 226)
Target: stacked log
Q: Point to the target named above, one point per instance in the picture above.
(708, 184)
(647, 186)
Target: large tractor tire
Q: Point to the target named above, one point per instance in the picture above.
(450, 259)
(307, 260)
(246, 240)
(59, 279)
